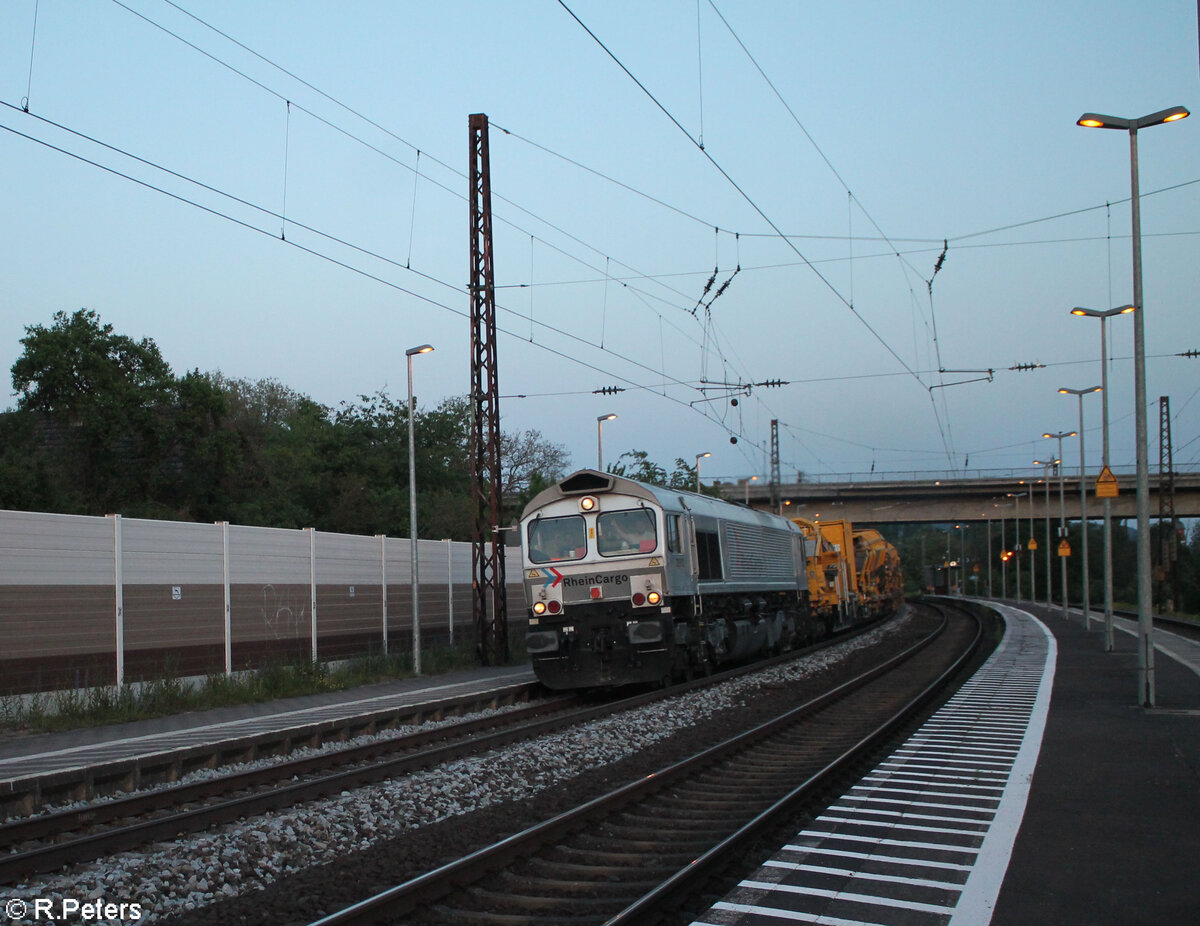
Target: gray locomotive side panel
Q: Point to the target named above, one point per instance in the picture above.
(757, 553)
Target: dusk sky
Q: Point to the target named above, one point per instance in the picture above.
(278, 190)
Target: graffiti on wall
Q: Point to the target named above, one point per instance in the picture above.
(284, 611)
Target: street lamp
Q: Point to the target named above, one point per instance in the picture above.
(699, 457)
(412, 513)
(1083, 518)
(1062, 514)
(1047, 464)
(1104, 316)
(748, 481)
(1017, 542)
(600, 439)
(1145, 603)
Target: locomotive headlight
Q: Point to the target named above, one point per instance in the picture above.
(587, 503)
(654, 598)
(539, 608)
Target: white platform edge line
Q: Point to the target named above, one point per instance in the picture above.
(978, 900)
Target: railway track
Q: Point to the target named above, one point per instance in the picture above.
(629, 855)
(50, 841)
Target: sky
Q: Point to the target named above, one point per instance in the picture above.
(278, 190)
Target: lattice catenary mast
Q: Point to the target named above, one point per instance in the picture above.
(776, 500)
(487, 537)
(1168, 527)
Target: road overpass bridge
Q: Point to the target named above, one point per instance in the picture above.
(880, 499)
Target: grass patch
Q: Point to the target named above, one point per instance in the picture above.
(50, 712)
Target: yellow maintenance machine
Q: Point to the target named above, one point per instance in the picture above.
(850, 573)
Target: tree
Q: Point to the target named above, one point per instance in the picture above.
(78, 368)
(643, 469)
(526, 456)
(639, 467)
(105, 395)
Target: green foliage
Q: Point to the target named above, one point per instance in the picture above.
(641, 468)
(102, 425)
(78, 369)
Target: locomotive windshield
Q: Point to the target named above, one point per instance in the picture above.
(555, 539)
(622, 532)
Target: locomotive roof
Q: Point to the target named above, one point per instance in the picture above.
(594, 482)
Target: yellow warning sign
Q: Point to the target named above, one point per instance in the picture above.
(534, 574)
(1106, 484)
(654, 561)
(1064, 548)
(1032, 545)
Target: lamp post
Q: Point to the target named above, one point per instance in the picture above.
(600, 439)
(1062, 514)
(962, 559)
(1083, 518)
(1104, 316)
(412, 513)
(1046, 464)
(1145, 603)
(748, 481)
(1017, 542)
(699, 457)
(989, 557)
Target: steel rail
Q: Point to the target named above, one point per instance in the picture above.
(432, 886)
(686, 880)
(418, 753)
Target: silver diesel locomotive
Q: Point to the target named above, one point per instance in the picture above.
(629, 582)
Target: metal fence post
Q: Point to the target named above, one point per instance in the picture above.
(119, 597)
(450, 587)
(383, 587)
(312, 585)
(224, 525)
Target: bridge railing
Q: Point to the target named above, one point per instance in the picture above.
(926, 475)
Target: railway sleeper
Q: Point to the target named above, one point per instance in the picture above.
(454, 916)
(503, 902)
(586, 860)
(612, 853)
(633, 828)
(675, 841)
(614, 886)
(676, 818)
(558, 870)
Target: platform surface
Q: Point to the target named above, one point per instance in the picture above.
(27, 760)
(1040, 794)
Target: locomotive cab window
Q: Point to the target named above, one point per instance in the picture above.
(552, 540)
(619, 533)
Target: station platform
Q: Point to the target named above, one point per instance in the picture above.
(79, 764)
(1040, 793)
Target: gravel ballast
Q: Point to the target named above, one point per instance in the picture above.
(295, 865)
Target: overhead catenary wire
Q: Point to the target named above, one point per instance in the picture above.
(754, 205)
(374, 124)
(607, 275)
(250, 226)
(666, 380)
